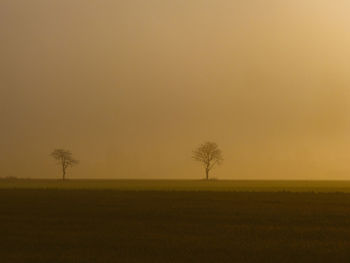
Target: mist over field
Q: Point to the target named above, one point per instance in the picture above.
(132, 87)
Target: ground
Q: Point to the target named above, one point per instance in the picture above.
(181, 185)
(75, 222)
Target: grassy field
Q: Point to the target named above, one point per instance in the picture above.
(40, 222)
(181, 185)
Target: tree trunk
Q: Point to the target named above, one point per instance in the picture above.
(63, 173)
(207, 173)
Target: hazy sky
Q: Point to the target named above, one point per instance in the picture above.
(132, 87)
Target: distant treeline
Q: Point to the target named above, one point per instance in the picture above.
(12, 178)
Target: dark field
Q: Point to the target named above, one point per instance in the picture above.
(163, 226)
(181, 185)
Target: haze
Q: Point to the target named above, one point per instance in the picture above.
(132, 87)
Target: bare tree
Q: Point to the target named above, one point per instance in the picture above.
(209, 155)
(65, 159)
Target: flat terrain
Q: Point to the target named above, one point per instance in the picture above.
(56, 225)
(181, 185)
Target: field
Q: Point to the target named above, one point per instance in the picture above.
(181, 185)
(174, 221)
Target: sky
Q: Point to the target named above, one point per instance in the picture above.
(131, 87)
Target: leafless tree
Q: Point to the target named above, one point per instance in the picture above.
(209, 155)
(64, 159)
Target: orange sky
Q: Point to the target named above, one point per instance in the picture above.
(131, 87)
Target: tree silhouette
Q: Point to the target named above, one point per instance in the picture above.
(209, 155)
(64, 159)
